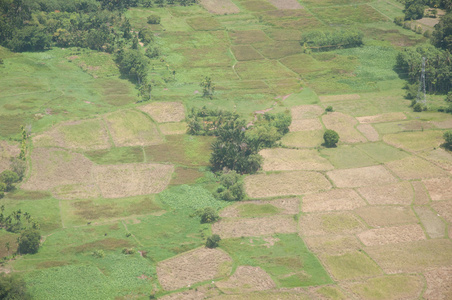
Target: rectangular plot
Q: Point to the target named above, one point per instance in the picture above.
(374, 175)
(245, 52)
(220, 7)
(348, 15)
(248, 36)
(286, 4)
(280, 159)
(280, 49)
(303, 139)
(332, 223)
(391, 235)
(433, 225)
(351, 265)
(344, 125)
(267, 69)
(413, 167)
(337, 199)
(439, 188)
(398, 193)
(382, 216)
(204, 23)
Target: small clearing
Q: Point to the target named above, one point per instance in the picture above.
(434, 226)
(439, 188)
(7, 151)
(413, 167)
(281, 159)
(303, 139)
(369, 132)
(286, 4)
(163, 112)
(286, 206)
(374, 175)
(332, 244)
(344, 125)
(337, 199)
(76, 191)
(421, 196)
(338, 223)
(306, 112)
(391, 235)
(397, 193)
(246, 279)
(173, 128)
(382, 216)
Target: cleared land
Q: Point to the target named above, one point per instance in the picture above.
(287, 206)
(337, 199)
(306, 112)
(163, 112)
(398, 193)
(344, 125)
(246, 279)
(439, 188)
(434, 226)
(375, 175)
(382, 216)
(390, 235)
(220, 7)
(338, 223)
(438, 283)
(304, 125)
(412, 167)
(7, 151)
(280, 159)
(303, 139)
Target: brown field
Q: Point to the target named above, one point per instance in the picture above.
(390, 235)
(397, 193)
(433, 225)
(286, 4)
(52, 167)
(201, 292)
(444, 209)
(116, 181)
(443, 124)
(412, 256)
(420, 193)
(337, 199)
(439, 157)
(303, 139)
(245, 52)
(374, 175)
(7, 151)
(439, 188)
(248, 37)
(306, 112)
(287, 206)
(285, 184)
(338, 223)
(76, 191)
(220, 7)
(163, 112)
(387, 117)
(246, 279)
(232, 227)
(307, 124)
(369, 132)
(331, 98)
(191, 267)
(132, 128)
(344, 125)
(438, 284)
(294, 294)
(173, 128)
(382, 216)
(332, 244)
(281, 159)
(413, 167)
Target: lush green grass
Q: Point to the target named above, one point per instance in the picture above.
(288, 261)
(345, 157)
(116, 155)
(256, 210)
(352, 265)
(382, 152)
(347, 15)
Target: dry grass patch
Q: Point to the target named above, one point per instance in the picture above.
(286, 4)
(305, 125)
(412, 256)
(447, 124)
(303, 139)
(7, 151)
(116, 181)
(248, 37)
(285, 206)
(332, 244)
(439, 157)
(338, 223)
(391, 235)
(433, 225)
(220, 7)
(306, 112)
(439, 188)
(132, 128)
(337, 199)
(268, 295)
(163, 112)
(415, 141)
(444, 208)
(246, 279)
(173, 128)
(344, 125)
(285, 184)
(76, 191)
(369, 132)
(331, 98)
(382, 216)
(381, 118)
(420, 193)
(52, 167)
(413, 167)
(389, 287)
(397, 193)
(438, 284)
(281, 159)
(245, 52)
(351, 265)
(201, 292)
(231, 227)
(328, 293)
(195, 266)
(374, 175)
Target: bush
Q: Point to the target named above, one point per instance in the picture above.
(208, 215)
(398, 21)
(417, 107)
(212, 241)
(13, 287)
(414, 10)
(29, 241)
(128, 251)
(326, 40)
(411, 91)
(153, 19)
(449, 97)
(329, 108)
(231, 187)
(448, 139)
(146, 35)
(18, 166)
(9, 177)
(2, 189)
(152, 52)
(331, 138)
(99, 253)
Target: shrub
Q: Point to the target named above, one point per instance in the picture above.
(326, 40)
(231, 187)
(128, 251)
(99, 253)
(153, 19)
(208, 215)
(146, 35)
(9, 177)
(152, 52)
(331, 138)
(18, 166)
(29, 241)
(13, 287)
(449, 97)
(2, 189)
(417, 107)
(448, 139)
(398, 21)
(329, 108)
(212, 241)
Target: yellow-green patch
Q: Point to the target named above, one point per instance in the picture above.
(303, 139)
(415, 141)
(204, 23)
(413, 167)
(248, 36)
(280, 49)
(382, 152)
(346, 156)
(267, 69)
(257, 210)
(351, 265)
(389, 287)
(245, 52)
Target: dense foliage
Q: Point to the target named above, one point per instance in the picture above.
(212, 241)
(442, 35)
(29, 241)
(414, 9)
(331, 138)
(206, 121)
(13, 287)
(231, 187)
(327, 40)
(448, 139)
(207, 215)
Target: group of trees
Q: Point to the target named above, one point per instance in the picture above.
(328, 40)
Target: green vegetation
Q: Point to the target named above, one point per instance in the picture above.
(208, 215)
(257, 210)
(13, 287)
(331, 138)
(29, 241)
(448, 139)
(213, 241)
(231, 187)
(327, 40)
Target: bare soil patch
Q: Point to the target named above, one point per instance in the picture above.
(307, 124)
(374, 175)
(433, 225)
(397, 193)
(281, 159)
(439, 188)
(220, 7)
(332, 244)
(443, 124)
(420, 193)
(163, 112)
(344, 125)
(391, 235)
(412, 256)
(232, 227)
(439, 157)
(444, 209)
(195, 266)
(53, 167)
(303, 139)
(287, 206)
(382, 216)
(76, 191)
(116, 181)
(285, 184)
(331, 98)
(413, 167)
(246, 279)
(281, 294)
(306, 112)
(369, 132)
(202, 292)
(7, 151)
(339, 223)
(439, 285)
(337, 199)
(387, 117)
(286, 4)
(173, 128)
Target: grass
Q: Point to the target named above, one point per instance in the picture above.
(303, 139)
(351, 265)
(415, 141)
(183, 175)
(382, 152)
(389, 287)
(348, 15)
(116, 155)
(289, 262)
(257, 210)
(204, 23)
(245, 52)
(346, 156)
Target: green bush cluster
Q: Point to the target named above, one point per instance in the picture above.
(231, 187)
(328, 40)
(153, 19)
(213, 241)
(331, 138)
(207, 215)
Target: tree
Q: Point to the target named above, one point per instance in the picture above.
(212, 241)
(29, 241)
(414, 9)
(18, 166)
(208, 87)
(331, 138)
(448, 138)
(208, 215)
(2, 189)
(9, 177)
(13, 287)
(442, 35)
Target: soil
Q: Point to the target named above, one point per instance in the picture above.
(76, 191)
(398, 193)
(344, 125)
(439, 188)
(246, 279)
(337, 223)
(390, 235)
(7, 151)
(337, 199)
(420, 193)
(306, 112)
(382, 216)
(332, 244)
(374, 175)
(306, 124)
(413, 167)
(439, 284)
(369, 132)
(444, 209)
(220, 7)
(286, 4)
(163, 112)
(433, 225)
(387, 117)
(281, 159)
(202, 292)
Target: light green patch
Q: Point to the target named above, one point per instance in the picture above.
(335, 223)
(345, 157)
(331, 292)
(303, 139)
(351, 265)
(116, 155)
(257, 210)
(389, 287)
(204, 23)
(382, 152)
(267, 69)
(245, 52)
(348, 15)
(415, 141)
